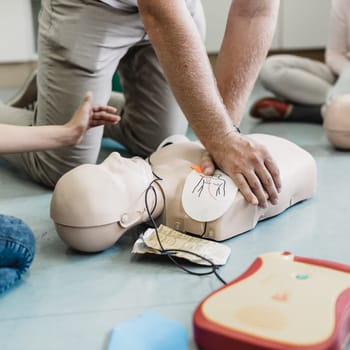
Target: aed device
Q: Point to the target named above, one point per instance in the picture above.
(282, 302)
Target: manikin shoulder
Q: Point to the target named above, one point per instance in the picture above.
(177, 155)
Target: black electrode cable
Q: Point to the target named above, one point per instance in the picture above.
(169, 252)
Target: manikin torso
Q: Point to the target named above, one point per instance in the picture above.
(93, 205)
(175, 162)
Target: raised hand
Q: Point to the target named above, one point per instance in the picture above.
(88, 116)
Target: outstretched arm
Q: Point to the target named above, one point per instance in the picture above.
(15, 138)
(211, 112)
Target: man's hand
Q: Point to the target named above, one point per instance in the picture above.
(88, 116)
(250, 166)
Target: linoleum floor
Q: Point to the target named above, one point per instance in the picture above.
(71, 301)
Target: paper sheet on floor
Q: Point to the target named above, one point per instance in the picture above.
(170, 239)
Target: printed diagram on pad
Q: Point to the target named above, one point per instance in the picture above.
(206, 198)
(214, 186)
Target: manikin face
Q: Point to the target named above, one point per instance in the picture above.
(95, 196)
(92, 195)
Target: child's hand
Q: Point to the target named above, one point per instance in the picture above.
(103, 115)
(88, 116)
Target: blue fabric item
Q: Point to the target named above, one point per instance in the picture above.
(149, 331)
(17, 250)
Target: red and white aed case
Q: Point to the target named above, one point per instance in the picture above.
(281, 302)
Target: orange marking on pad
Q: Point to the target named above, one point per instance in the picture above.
(197, 168)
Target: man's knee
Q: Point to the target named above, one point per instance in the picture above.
(271, 74)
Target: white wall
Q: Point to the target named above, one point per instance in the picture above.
(216, 13)
(16, 31)
(302, 24)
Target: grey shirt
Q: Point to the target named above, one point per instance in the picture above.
(121, 4)
(130, 4)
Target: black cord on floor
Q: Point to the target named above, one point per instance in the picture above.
(169, 252)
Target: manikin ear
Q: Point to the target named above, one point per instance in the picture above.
(337, 122)
(139, 213)
(128, 220)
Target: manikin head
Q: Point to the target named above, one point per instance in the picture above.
(337, 122)
(93, 205)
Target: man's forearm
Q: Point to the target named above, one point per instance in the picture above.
(186, 66)
(249, 32)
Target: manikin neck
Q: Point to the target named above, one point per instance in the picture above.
(137, 213)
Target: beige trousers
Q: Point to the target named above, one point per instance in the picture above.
(297, 79)
(81, 44)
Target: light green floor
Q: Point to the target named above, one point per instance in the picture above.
(70, 301)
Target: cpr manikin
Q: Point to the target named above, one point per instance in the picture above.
(93, 205)
(337, 122)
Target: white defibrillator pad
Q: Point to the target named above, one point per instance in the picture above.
(206, 198)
